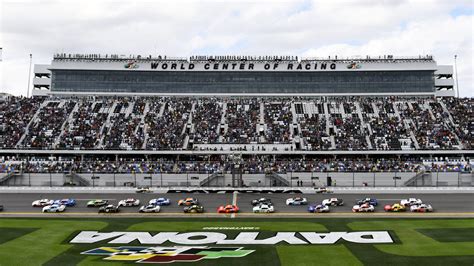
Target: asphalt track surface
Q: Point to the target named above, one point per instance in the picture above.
(445, 205)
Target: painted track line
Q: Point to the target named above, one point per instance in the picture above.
(241, 215)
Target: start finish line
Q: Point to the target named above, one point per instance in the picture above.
(243, 238)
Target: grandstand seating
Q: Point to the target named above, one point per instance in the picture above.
(291, 123)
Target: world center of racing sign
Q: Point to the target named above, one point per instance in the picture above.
(193, 246)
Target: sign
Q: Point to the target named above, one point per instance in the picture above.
(167, 254)
(243, 238)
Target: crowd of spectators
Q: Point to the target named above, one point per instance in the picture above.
(251, 165)
(242, 118)
(278, 118)
(15, 114)
(174, 123)
(206, 118)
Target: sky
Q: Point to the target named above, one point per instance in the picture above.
(318, 28)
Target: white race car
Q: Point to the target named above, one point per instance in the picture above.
(42, 203)
(150, 208)
(333, 202)
(129, 202)
(263, 208)
(54, 208)
(421, 208)
(363, 208)
(410, 202)
(296, 201)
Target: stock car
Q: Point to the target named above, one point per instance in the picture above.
(67, 202)
(421, 208)
(160, 201)
(54, 208)
(318, 208)
(366, 207)
(144, 190)
(109, 209)
(333, 202)
(323, 190)
(1, 208)
(296, 201)
(188, 202)
(397, 207)
(228, 209)
(410, 201)
(263, 208)
(97, 203)
(371, 201)
(193, 209)
(150, 208)
(41, 203)
(130, 202)
(259, 201)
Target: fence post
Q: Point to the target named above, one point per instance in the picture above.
(459, 180)
(353, 180)
(437, 177)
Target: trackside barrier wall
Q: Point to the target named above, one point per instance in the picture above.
(295, 179)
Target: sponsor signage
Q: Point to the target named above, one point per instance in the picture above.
(235, 66)
(243, 238)
(167, 254)
(194, 246)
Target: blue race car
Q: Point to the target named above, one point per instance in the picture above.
(318, 208)
(67, 202)
(371, 201)
(160, 202)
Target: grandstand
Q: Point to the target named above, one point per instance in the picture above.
(238, 120)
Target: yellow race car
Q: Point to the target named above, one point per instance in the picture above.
(397, 207)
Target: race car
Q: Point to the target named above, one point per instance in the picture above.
(150, 208)
(394, 208)
(323, 190)
(160, 201)
(366, 207)
(410, 201)
(193, 209)
(109, 209)
(67, 202)
(296, 201)
(143, 190)
(188, 201)
(259, 201)
(333, 202)
(54, 208)
(228, 209)
(263, 208)
(130, 202)
(96, 203)
(41, 203)
(318, 208)
(371, 201)
(1, 208)
(421, 208)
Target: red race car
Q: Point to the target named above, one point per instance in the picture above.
(228, 209)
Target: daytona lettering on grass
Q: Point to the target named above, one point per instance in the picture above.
(243, 238)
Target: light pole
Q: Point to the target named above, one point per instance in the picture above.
(456, 72)
(29, 77)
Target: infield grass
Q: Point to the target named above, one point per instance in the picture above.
(38, 241)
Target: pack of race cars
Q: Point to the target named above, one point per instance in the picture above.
(260, 205)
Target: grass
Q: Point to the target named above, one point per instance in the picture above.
(417, 241)
(449, 234)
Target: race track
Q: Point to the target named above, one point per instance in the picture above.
(445, 205)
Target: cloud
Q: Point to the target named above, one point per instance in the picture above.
(183, 28)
